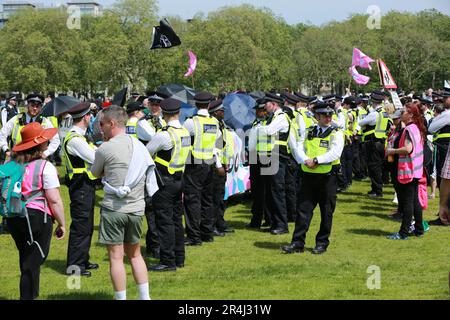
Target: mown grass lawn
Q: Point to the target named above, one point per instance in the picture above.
(249, 264)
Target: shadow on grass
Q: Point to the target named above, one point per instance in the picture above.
(386, 209)
(99, 295)
(269, 245)
(237, 224)
(373, 214)
(369, 232)
(56, 265)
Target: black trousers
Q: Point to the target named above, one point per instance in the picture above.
(375, 156)
(82, 202)
(441, 153)
(408, 199)
(290, 189)
(167, 206)
(218, 202)
(260, 189)
(346, 165)
(198, 201)
(151, 237)
(395, 184)
(358, 158)
(298, 184)
(30, 258)
(277, 197)
(316, 189)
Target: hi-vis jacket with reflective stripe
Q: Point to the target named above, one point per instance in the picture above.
(75, 165)
(206, 131)
(174, 160)
(316, 145)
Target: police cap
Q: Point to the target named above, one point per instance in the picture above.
(170, 105)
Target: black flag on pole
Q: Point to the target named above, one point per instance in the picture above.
(163, 36)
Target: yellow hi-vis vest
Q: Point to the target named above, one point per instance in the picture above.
(54, 121)
(444, 133)
(269, 142)
(361, 114)
(156, 122)
(308, 118)
(174, 160)
(19, 123)
(227, 152)
(315, 146)
(347, 131)
(381, 126)
(205, 134)
(131, 127)
(264, 143)
(74, 164)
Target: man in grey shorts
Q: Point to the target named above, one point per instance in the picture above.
(121, 214)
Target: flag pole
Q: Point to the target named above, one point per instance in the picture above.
(379, 72)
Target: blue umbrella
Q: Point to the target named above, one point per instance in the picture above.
(239, 112)
(186, 111)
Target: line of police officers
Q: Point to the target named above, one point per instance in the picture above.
(297, 143)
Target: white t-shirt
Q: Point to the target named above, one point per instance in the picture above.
(50, 176)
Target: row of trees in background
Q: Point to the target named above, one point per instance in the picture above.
(237, 47)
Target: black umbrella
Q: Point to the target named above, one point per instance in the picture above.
(120, 97)
(179, 92)
(59, 105)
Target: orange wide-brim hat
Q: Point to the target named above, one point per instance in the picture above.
(33, 134)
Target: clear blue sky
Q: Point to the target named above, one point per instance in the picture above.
(293, 11)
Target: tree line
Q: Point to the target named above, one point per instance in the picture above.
(237, 47)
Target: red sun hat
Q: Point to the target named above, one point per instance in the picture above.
(33, 134)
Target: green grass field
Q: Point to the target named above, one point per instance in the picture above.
(249, 264)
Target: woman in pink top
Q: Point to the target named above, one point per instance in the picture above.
(408, 160)
(40, 188)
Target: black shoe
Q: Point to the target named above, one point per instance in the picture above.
(189, 242)
(161, 268)
(265, 224)
(180, 265)
(375, 195)
(217, 233)
(91, 266)
(252, 226)
(396, 216)
(319, 250)
(437, 222)
(293, 247)
(207, 239)
(227, 230)
(279, 231)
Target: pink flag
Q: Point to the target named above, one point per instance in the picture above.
(359, 78)
(192, 64)
(361, 60)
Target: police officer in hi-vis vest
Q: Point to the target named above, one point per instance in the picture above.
(198, 192)
(225, 152)
(170, 149)
(259, 183)
(10, 133)
(276, 130)
(153, 112)
(374, 133)
(318, 152)
(136, 125)
(79, 156)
